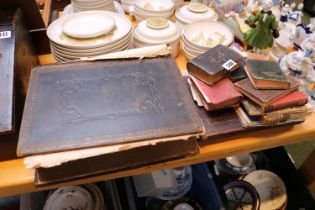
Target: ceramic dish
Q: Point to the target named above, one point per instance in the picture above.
(155, 6)
(207, 34)
(270, 187)
(70, 198)
(95, 53)
(122, 29)
(188, 54)
(88, 26)
(117, 8)
(190, 13)
(106, 47)
(157, 29)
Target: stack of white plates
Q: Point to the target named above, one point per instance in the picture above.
(154, 31)
(90, 33)
(194, 12)
(128, 5)
(199, 37)
(86, 5)
(153, 8)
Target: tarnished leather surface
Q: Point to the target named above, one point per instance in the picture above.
(81, 105)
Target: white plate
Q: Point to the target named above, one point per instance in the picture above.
(88, 25)
(204, 34)
(270, 187)
(97, 52)
(122, 29)
(86, 50)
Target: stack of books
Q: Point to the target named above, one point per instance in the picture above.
(249, 93)
(270, 97)
(208, 79)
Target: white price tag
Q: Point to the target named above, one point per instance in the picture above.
(230, 64)
(5, 34)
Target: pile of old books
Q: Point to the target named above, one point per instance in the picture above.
(271, 98)
(257, 90)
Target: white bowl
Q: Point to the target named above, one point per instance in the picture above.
(188, 55)
(206, 34)
(157, 29)
(187, 13)
(88, 25)
(141, 16)
(155, 6)
(122, 29)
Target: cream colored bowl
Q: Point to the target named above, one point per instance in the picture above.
(154, 6)
(207, 34)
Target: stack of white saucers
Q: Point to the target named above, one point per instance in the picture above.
(128, 5)
(154, 31)
(153, 8)
(86, 5)
(194, 12)
(90, 33)
(199, 37)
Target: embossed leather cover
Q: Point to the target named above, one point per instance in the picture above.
(84, 105)
(208, 66)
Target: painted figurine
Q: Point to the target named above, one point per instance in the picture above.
(303, 32)
(265, 28)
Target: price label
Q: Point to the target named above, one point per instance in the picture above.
(5, 34)
(230, 64)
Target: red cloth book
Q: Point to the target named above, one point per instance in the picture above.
(296, 98)
(218, 96)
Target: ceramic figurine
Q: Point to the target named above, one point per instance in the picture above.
(284, 15)
(308, 47)
(303, 32)
(265, 28)
(296, 16)
(297, 64)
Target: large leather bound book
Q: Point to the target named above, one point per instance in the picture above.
(16, 60)
(212, 66)
(83, 105)
(91, 105)
(123, 160)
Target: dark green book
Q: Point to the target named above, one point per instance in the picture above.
(266, 75)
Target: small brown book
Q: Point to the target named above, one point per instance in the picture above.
(294, 99)
(264, 97)
(266, 75)
(210, 67)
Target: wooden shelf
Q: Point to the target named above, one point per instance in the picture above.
(16, 179)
